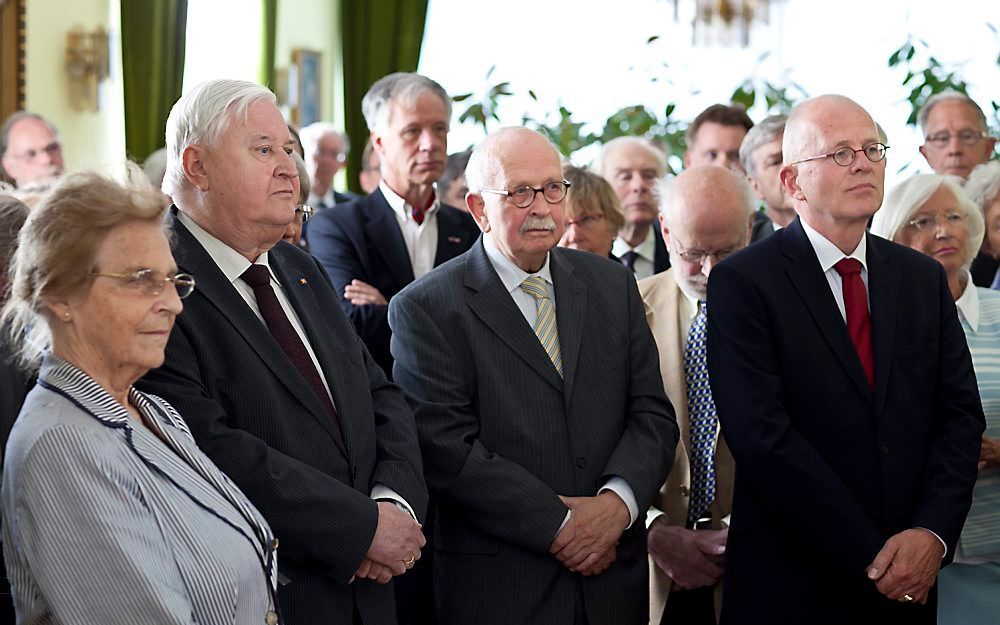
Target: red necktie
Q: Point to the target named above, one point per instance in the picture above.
(259, 279)
(418, 214)
(859, 322)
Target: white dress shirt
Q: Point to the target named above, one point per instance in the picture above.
(421, 239)
(643, 265)
(512, 276)
(233, 264)
(828, 255)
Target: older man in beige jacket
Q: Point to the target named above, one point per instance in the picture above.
(706, 214)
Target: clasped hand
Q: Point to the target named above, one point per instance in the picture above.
(690, 558)
(588, 542)
(394, 548)
(907, 565)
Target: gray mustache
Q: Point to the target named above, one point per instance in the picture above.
(538, 223)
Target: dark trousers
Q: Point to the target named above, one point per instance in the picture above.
(690, 607)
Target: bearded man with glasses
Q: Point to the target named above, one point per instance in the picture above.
(845, 390)
(30, 151)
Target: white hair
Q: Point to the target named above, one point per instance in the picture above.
(399, 87)
(200, 116)
(906, 198)
(765, 131)
(640, 142)
(666, 190)
(949, 96)
(311, 135)
(983, 185)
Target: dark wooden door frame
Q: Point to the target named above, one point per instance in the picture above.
(12, 34)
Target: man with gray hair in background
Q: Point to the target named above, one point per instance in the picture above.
(760, 154)
(283, 397)
(706, 214)
(956, 140)
(326, 150)
(378, 244)
(633, 165)
(30, 152)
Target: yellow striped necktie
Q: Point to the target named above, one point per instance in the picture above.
(545, 319)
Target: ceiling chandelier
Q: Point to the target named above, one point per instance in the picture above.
(725, 22)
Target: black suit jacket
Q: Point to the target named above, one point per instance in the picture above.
(826, 470)
(362, 240)
(256, 417)
(661, 257)
(14, 386)
(503, 435)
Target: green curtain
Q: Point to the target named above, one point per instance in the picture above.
(379, 37)
(270, 29)
(153, 34)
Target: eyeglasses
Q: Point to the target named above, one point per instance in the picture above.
(339, 156)
(698, 257)
(52, 150)
(306, 211)
(152, 282)
(965, 137)
(586, 220)
(927, 222)
(845, 156)
(523, 197)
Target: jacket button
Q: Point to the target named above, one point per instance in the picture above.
(885, 449)
(581, 462)
(274, 544)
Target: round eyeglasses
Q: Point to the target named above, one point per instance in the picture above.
(523, 197)
(926, 222)
(965, 137)
(152, 282)
(844, 157)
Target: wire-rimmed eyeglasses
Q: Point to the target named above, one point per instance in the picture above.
(875, 152)
(152, 282)
(522, 197)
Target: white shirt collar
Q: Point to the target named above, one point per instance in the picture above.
(231, 262)
(968, 304)
(828, 253)
(510, 274)
(399, 205)
(327, 200)
(646, 249)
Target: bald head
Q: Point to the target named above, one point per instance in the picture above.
(815, 117)
(706, 210)
(484, 170)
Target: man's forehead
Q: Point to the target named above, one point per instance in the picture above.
(952, 112)
(30, 128)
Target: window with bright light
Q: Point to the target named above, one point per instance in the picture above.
(223, 41)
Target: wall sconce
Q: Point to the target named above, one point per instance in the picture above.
(87, 65)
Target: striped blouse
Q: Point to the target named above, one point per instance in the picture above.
(980, 313)
(106, 523)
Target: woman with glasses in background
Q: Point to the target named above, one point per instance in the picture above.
(593, 213)
(111, 513)
(933, 214)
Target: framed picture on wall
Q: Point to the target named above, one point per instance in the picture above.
(303, 86)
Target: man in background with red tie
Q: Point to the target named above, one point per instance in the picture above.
(855, 426)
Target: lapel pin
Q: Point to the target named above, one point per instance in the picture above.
(454, 240)
(303, 281)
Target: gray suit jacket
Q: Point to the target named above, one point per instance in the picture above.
(503, 435)
(107, 522)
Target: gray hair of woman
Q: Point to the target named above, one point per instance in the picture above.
(906, 198)
(58, 244)
(983, 185)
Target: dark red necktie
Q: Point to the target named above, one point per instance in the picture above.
(418, 214)
(259, 279)
(859, 322)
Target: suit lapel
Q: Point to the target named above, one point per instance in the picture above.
(384, 233)
(571, 310)
(809, 280)
(220, 293)
(451, 240)
(665, 318)
(494, 306)
(883, 297)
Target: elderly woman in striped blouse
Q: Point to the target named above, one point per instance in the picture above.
(933, 214)
(111, 513)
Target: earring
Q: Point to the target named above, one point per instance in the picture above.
(66, 315)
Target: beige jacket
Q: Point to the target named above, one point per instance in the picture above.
(664, 313)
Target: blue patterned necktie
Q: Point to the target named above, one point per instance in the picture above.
(545, 320)
(702, 416)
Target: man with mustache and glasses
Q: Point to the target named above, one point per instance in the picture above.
(706, 214)
(543, 424)
(843, 383)
(30, 150)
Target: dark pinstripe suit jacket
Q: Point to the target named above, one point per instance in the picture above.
(261, 423)
(503, 435)
(361, 240)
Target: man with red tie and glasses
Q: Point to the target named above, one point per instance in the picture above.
(856, 425)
